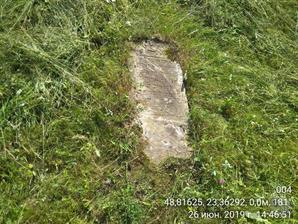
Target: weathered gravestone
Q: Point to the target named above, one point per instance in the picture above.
(163, 104)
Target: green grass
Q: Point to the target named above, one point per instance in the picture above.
(69, 150)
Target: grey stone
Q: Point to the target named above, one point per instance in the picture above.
(164, 109)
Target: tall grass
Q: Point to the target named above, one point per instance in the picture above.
(63, 107)
(69, 151)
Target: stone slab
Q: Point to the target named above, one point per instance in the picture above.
(162, 101)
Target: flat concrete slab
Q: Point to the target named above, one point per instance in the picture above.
(162, 102)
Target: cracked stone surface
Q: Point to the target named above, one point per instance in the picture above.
(162, 102)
